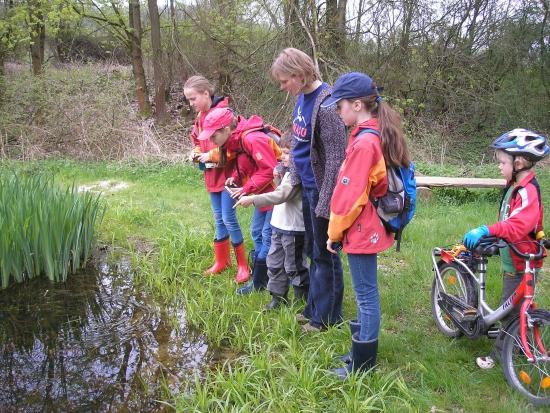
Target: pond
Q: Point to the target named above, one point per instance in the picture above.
(98, 342)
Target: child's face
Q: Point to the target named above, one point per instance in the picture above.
(505, 165)
(290, 84)
(348, 111)
(199, 101)
(285, 157)
(221, 136)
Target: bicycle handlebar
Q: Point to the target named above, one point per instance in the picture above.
(489, 246)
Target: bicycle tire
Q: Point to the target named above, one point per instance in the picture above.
(458, 283)
(532, 380)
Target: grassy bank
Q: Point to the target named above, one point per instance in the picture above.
(164, 215)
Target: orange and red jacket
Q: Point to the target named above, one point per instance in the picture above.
(362, 176)
(255, 157)
(524, 221)
(214, 178)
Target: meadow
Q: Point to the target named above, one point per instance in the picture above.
(163, 217)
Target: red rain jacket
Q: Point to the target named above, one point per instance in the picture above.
(523, 222)
(255, 158)
(353, 217)
(214, 178)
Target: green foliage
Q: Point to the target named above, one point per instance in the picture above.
(44, 229)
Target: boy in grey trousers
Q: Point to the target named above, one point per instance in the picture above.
(286, 260)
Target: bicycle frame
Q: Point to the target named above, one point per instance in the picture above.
(523, 294)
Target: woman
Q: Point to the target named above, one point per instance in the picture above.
(319, 143)
(199, 92)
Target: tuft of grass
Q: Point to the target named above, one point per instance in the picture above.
(44, 230)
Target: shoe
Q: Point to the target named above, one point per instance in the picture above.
(277, 301)
(300, 293)
(363, 357)
(247, 289)
(243, 273)
(354, 327)
(301, 319)
(310, 328)
(222, 257)
(485, 363)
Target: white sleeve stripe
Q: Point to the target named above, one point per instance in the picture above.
(524, 202)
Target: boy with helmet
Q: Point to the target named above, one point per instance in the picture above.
(520, 215)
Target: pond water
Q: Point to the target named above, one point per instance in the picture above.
(95, 343)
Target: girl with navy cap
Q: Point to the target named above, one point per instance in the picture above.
(376, 141)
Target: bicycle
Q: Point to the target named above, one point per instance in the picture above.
(459, 308)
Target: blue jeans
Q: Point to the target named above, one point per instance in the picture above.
(225, 218)
(261, 232)
(326, 277)
(365, 283)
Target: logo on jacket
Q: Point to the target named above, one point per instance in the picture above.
(259, 156)
(345, 180)
(374, 238)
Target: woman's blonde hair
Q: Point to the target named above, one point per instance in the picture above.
(200, 84)
(294, 62)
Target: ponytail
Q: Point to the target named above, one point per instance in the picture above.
(394, 145)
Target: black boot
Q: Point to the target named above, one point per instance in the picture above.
(277, 301)
(259, 275)
(354, 327)
(363, 357)
(300, 293)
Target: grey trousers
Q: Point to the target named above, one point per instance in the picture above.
(286, 262)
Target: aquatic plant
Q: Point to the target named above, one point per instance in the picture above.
(44, 229)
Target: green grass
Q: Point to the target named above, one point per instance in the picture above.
(44, 229)
(164, 215)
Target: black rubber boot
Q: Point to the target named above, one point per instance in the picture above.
(363, 357)
(300, 293)
(277, 301)
(259, 276)
(354, 327)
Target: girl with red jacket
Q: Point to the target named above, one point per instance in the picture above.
(354, 223)
(199, 92)
(520, 215)
(255, 157)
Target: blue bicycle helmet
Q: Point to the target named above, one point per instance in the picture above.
(523, 142)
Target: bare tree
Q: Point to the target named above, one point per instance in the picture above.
(160, 92)
(142, 95)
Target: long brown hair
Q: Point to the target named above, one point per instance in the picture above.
(394, 145)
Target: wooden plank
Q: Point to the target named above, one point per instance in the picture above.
(434, 181)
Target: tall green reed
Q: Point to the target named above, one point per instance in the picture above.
(44, 229)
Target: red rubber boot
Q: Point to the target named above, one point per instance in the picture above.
(243, 272)
(222, 255)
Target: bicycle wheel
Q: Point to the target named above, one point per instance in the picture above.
(530, 379)
(457, 283)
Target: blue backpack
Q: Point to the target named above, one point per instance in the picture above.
(396, 208)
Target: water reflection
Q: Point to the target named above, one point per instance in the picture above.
(95, 343)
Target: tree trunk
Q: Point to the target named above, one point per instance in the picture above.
(142, 94)
(160, 101)
(37, 36)
(335, 27)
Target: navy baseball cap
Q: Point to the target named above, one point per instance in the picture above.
(350, 85)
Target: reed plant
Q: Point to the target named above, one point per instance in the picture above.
(44, 229)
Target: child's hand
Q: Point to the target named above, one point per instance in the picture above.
(245, 201)
(471, 238)
(334, 246)
(203, 157)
